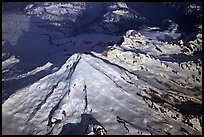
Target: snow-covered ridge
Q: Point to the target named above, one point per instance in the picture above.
(34, 98)
(178, 72)
(134, 79)
(56, 11)
(60, 79)
(122, 12)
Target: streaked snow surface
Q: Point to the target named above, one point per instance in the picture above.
(59, 81)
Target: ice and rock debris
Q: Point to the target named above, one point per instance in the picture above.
(58, 79)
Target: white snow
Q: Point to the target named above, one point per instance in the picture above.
(61, 81)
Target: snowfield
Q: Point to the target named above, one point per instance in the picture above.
(65, 74)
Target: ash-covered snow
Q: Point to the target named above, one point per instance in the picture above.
(94, 68)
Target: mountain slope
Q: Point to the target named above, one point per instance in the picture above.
(125, 93)
(66, 71)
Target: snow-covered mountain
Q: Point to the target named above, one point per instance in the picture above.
(68, 68)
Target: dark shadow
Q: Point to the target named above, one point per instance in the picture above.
(189, 107)
(181, 57)
(185, 108)
(6, 50)
(14, 6)
(26, 52)
(92, 14)
(155, 99)
(156, 12)
(81, 127)
(135, 51)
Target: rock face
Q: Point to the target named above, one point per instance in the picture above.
(56, 82)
